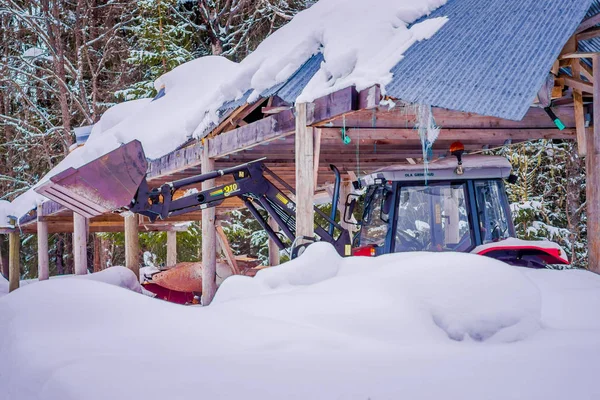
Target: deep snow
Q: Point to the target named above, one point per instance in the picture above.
(414, 326)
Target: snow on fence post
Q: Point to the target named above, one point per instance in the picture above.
(305, 177)
(209, 236)
(14, 270)
(593, 176)
(274, 258)
(42, 239)
(132, 244)
(171, 248)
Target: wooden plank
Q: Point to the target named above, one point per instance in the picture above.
(593, 178)
(578, 84)
(305, 183)
(251, 135)
(568, 56)
(370, 98)
(331, 106)
(274, 255)
(209, 249)
(43, 254)
(171, 248)
(480, 135)
(14, 263)
(226, 249)
(80, 244)
(132, 243)
(588, 23)
(588, 34)
(579, 111)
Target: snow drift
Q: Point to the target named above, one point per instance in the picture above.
(418, 326)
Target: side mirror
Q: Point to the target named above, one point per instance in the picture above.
(386, 205)
(350, 206)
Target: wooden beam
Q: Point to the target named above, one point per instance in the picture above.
(305, 182)
(593, 178)
(589, 34)
(578, 84)
(171, 248)
(480, 135)
(209, 245)
(588, 23)
(80, 244)
(568, 56)
(226, 249)
(14, 267)
(274, 256)
(579, 111)
(132, 243)
(43, 253)
(248, 136)
(331, 106)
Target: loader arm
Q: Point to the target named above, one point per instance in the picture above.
(256, 191)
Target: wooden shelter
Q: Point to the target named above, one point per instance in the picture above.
(300, 140)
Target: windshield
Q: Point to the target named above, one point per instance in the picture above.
(433, 218)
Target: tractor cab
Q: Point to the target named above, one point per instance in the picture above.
(452, 205)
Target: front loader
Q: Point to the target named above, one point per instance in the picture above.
(116, 182)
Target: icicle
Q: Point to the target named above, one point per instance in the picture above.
(428, 133)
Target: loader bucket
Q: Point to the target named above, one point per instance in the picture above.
(103, 185)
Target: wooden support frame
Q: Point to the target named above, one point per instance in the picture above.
(42, 240)
(171, 248)
(132, 244)
(14, 264)
(593, 177)
(80, 244)
(305, 180)
(209, 246)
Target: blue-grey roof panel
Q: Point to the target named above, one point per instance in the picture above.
(490, 58)
(292, 88)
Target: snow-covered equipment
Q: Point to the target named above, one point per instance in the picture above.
(453, 205)
(450, 205)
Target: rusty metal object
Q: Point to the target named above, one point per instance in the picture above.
(187, 276)
(103, 185)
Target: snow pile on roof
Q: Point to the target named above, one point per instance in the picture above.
(317, 328)
(347, 32)
(116, 276)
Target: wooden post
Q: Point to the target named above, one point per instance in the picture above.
(274, 258)
(171, 248)
(42, 237)
(209, 245)
(305, 178)
(14, 268)
(226, 249)
(79, 244)
(578, 108)
(593, 177)
(132, 244)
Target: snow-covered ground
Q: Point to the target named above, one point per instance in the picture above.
(117, 276)
(403, 326)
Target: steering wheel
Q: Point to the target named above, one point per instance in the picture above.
(408, 242)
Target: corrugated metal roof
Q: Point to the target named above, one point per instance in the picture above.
(491, 57)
